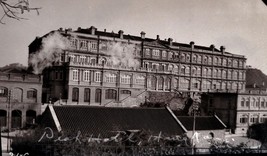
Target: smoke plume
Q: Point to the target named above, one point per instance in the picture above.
(123, 54)
(51, 48)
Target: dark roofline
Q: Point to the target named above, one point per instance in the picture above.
(138, 38)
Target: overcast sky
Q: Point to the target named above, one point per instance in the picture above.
(239, 25)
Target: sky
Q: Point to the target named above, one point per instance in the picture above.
(239, 25)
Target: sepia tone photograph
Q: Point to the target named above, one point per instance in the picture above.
(133, 77)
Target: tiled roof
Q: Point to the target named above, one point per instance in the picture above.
(201, 123)
(106, 120)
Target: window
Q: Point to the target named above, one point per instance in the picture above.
(147, 52)
(111, 94)
(86, 75)
(168, 84)
(263, 119)
(224, 74)
(199, 59)
(75, 94)
(160, 83)
(98, 95)
(209, 73)
(209, 60)
(243, 103)
(235, 63)
(224, 62)
(187, 58)
(83, 44)
(262, 104)
(205, 60)
(229, 74)
(3, 92)
(97, 76)
(155, 52)
(205, 70)
(183, 70)
(247, 103)
(229, 63)
(215, 61)
(93, 45)
(153, 83)
(125, 79)
(170, 56)
(235, 75)
(75, 75)
(183, 57)
(243, 119)
(111, 78)
(185, 83)
(215, 73)
(126, 92)
(164, 54)
(140, 80)
(31, 94)
(86, 94)
(254, 119)
(194, 59)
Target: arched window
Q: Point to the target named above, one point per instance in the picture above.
(199, 59)
(153, 83)
(185, 83)
(209, 60)
(3, 118)
(98, 95)
(183, 57)
(168, 84)
(175, 83)
(3, 91)
(16, 119)
(183, 70)
(215, 61)
(229, 74)
(205, 70)
(224, 74)
(75, 94)
(17, 95)
(160, 83)
(194, 59)
(87, 94)
(32, 94)
(30, 116)
(111, 94)
(242, 103)
(215, 73)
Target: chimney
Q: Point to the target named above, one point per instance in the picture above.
(143, 34)
(79, 28)
(60, 29)
(192, 44)
(222, 49)
(212, 47)
(92, 30)
(254, 85)
(170, 41)
(105, 30)
(121, 34)
(158, 37)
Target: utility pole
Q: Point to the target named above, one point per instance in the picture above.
(8, 119)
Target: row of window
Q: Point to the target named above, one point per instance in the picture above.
(196, 71)
(157, 84)
(253, 103)
(183, 57)
(109, 78)
(83, 44)
(17, 94)
(253, 119)
(109, 94)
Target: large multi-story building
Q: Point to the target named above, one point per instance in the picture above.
(20, 98)
(107, 68)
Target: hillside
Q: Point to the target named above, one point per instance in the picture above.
(254, 75)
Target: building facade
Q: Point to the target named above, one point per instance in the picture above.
(237, 110)
(20, 99)
(90, 70)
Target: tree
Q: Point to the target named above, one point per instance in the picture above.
(14, 11)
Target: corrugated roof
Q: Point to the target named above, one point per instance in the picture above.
(106, 121)
(201, 123)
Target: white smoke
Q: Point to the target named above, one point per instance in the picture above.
(123, 54)
(51, 48)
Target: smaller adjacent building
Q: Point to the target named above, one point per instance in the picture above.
(20, 97)
(237, 110)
